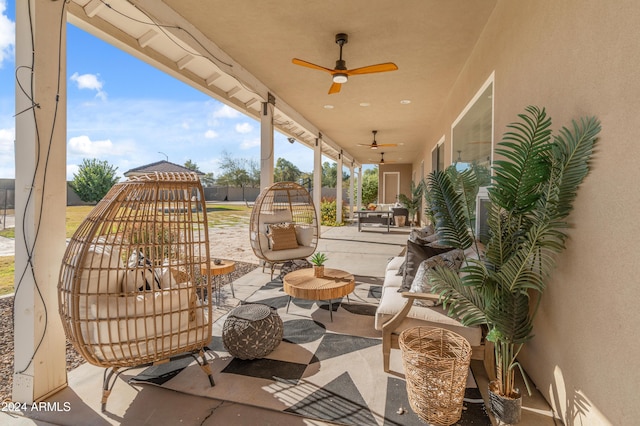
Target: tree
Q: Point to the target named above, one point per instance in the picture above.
(330, 175)
(240, 172)
(93, 180)
(286, 171)
(206, 179)
(191, 166)
(369, 186)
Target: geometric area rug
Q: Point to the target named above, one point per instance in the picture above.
(322, 369)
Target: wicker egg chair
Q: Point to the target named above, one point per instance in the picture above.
(130, 290)
(284, 225)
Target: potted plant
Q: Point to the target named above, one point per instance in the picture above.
(531, 194)
(318, 259)
(412, 203)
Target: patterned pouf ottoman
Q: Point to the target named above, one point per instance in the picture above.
(252, 331)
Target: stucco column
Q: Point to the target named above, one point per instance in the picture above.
(317, 179)
(266, 145)
(359, 205)
(339, 189)
(351, 191)
(41, 195)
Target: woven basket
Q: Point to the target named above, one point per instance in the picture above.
(436, 365)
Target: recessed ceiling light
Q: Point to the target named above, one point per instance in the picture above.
(365, 104)
(328, 107)
(405, 101)
(401, 143)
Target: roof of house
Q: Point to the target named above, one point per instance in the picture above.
(160, 166)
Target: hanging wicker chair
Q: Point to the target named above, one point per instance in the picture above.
(284, 225)
(130, 290)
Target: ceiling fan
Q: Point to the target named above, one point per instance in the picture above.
(376, 145)
(340, 74)
(382, 159)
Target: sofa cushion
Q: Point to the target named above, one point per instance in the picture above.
(392, 279)
(416, 253)
(392, 302)
(283, 236)
(395, 263)
(452, 259)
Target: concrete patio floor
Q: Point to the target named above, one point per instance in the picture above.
(361, 253)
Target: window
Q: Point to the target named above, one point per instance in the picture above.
(472, 132)
(437, 156)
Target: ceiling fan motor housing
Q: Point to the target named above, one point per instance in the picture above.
(342, 38)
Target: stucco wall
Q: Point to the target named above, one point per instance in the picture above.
(405, 177)
(576, 58)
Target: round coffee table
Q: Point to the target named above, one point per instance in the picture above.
(333, 285)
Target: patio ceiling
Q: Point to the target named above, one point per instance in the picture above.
(240, 51)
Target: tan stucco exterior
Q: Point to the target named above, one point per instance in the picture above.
(575, 58)
(404, 171)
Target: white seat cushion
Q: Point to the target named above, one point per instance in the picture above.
(392, 302)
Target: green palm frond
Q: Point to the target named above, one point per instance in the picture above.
(517, 180)
(572, 151)
(509, 316)
(468, 188)
(463, 302)
(450, 211)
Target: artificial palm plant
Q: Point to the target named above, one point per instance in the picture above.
(531, 194)
(412, 202)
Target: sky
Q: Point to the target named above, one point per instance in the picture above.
(126, 112)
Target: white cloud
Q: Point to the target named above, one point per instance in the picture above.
(82, 145)
(250, 143)
(72, 169)
(226, 111)
(7, 35)
(211, 134)
(7, 150)
(244, 128)
(91, 82)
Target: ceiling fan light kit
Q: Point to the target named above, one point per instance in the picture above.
(340, 78)
(340, 74)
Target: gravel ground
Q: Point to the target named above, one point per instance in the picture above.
(73, 358)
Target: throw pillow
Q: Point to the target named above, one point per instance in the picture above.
(141, 276)
(416, 253)
(304, 235)
(421, 237)
(283, 237)
(452, 259)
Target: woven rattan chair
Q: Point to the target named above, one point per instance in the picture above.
(130, 290)
(283, 224)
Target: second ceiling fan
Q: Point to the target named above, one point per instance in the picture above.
(340, 74)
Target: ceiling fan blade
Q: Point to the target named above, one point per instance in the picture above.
(310, 65)
(387, 66)
(335, 88)
(387, 144)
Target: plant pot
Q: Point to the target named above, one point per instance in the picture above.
(318, 271)
(506, 409)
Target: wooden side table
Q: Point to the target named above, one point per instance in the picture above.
(226, 267)
(303, 285)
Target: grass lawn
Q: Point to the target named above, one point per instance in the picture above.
(7, 268)
(218, 215)
(8, 233)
